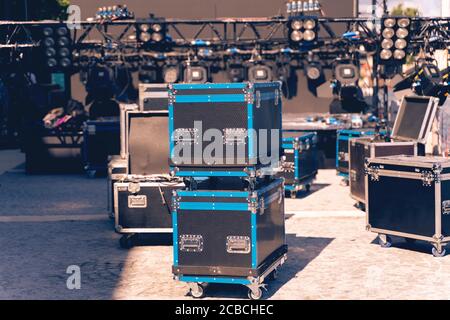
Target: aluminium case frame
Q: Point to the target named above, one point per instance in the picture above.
(433, 179)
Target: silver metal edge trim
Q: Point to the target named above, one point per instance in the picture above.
(146, 230)
(404, 235)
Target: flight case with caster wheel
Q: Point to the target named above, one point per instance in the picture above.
(239, 122)
(409, 197)
(228, 236)
(300, 166)
(143, 207)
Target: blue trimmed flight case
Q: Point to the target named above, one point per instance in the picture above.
(238, 111)
(342, 148)
(228, 236)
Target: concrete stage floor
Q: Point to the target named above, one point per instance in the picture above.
(50, 222)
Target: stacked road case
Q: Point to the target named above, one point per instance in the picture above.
(300, 163)
(228, 225)
(139, 182)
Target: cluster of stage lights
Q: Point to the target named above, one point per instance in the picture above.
(150, 33)
(395, 35)
(302, 29)
(57, 47)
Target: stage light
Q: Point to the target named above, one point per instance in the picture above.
(151, 34)
(236, 70)
(196, 74)
(302, 30)
(387, 43)
(296, 36)
(314, 75)
(296, 24)
(56, 46)
(171, 74)
(346, 73)
(148, 71)
(401, 44)
(394, 41)
(260, 73)
(313, 71)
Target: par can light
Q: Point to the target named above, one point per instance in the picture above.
(144, 27)
(296, 24)
(156, 27)
(399, 54)
(404, 22)
(145, 37)
(309, 24)
(309, 35)
(402, 33)
(387, 43)
(389, 23)
(401, 44)
(170, 74)
(388, 33)
(385, 54)
(296, 36)
(157, 37)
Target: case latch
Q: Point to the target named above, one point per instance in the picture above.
(238, 244)
(191, 243)
(373, 173)
(446, 207)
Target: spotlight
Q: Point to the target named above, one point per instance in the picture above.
(302, 30)
(171, 73)
(196, 74)
(346, 73)
(314, 76)
(236, 70)
(260, 73)
(394, 41)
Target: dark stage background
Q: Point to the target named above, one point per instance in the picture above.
(190, 9)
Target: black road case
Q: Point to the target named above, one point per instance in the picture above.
(237, 113)
(143, 207)
(153, 97)
(228, 236)
(409, 197)
(362, 148)
(101, 140)
(301, 161)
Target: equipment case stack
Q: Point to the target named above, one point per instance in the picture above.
(139, 180)
(411, 128)
(301, 161)
(342, 149)
(409, 196)
(228, 225)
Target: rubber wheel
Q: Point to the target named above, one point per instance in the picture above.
(438, 254)
(126, 242)
(255, 295)
(386, 244)
(198, 294)
(308, 188)
(293, 195)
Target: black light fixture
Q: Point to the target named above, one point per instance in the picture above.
(236, 70)
(260, 73)
(56, 46)
(196, 74)
(302, 30)
(149, 72)
(315, 75)
(151, 33)
(395, 35)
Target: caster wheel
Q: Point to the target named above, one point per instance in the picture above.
(438, 254)
(126, 242)
(308, 188)
(410, 241)
(255, 295)
(199, 293)
(293, 194)
(385, 243)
